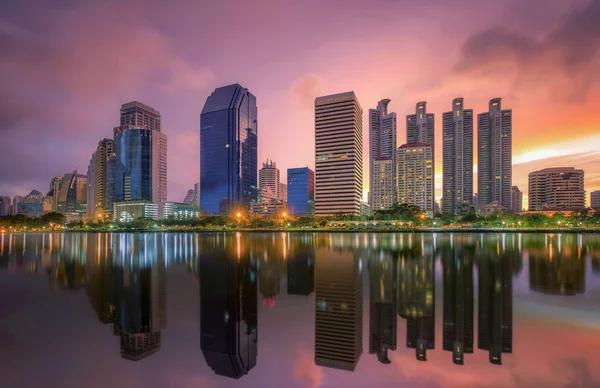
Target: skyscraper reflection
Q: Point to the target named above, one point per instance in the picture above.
(338, 308)
(301, 265)
(458, 300)
(383, 322)
(99, 265)
(139, 284)
(228, 305)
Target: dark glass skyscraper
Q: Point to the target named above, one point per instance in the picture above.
(301, 191)
(228, 150)
(383, 321)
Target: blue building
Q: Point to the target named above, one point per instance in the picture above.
(228, 150)
(133, 170)
(301, 191)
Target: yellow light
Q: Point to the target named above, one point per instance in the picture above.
(285, 214)
(239, 215)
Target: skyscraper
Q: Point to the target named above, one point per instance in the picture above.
(415, 176)
(595, 200)
(382, 135)
(189, 197)
(517, 200)
(557, 188)
(420, 128)
(338, 154)
(228, 150)
(301, 191)
(72, 197)
(91, 202)
(494, 155)
(457, 134)
(269, 177)
(103, 179)
(228, 307)
(5, 208)
(54, 191)
(140, 155)
(338, 305)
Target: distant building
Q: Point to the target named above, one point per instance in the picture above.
(189, 197)
(457, 140)
(55, 191)
(228, 150)
(494, 155)
(301, 191)
(489, 209)
(595, 200)
(15, 203)
(267, 203)
(283, 192)
(420, 128)
(5, 206)
(365, 209)
(338, 309)
(383, 189)
(415, 176)
(197, 194)
(436, 207)
(382, 135)
(269, 176)
(556, 188)
(104, 178)
(132, 210)
(141, 155)
(72, 197)
(91, 202)
(517, 200)
(338, 155)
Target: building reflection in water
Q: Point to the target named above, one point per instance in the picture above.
(457, 261)
(556, 267)
(383, 322)
(416, 294)
(338, 307)
(495, 322)
(301, 264)
(139, 286)
(99, 266)
(228, 305)
(270, 250)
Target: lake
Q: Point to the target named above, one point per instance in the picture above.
(299, 310)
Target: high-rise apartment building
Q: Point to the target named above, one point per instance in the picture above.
(415, 175)
(494, 155)
(5, 208)
(517, 200)
(104, 170)
(382, 135)
(457, 134)
(338, 154)
(338, 309)
(54, 191)
(140, 155)
(269, 177)
(91, 202)
(301, 191)
(228, 150)
(420, 128)
(595, 200)
(560, 188)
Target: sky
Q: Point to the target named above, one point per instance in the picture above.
(66, 66)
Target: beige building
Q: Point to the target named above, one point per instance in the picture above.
(559, 188)
(382, 192)
(269, 176)
(415, 175)
(595, 200)
(338, 154)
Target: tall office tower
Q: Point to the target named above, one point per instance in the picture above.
(228, 150)
(382, 135)
(269, 177)
(91, 193)
(139, 284)
(338, 154)
(558, 266)
(15, 203)
(140, 155)
(420, 128)
(458, 301)
(595, 200)
(495, 308)
(415, 175)
(383, 321)
(494, 155)
(457, 134)
(103, 177)
(301, 191)
(560, 188)
(517, 200)
(5, 208)
(283, 192)
(228, 289)
(189, 197)
(338, 305)
(301, 265)
(72, 197)
(54, 191)
(416, 300)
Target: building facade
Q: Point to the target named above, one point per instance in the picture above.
(494, 155)
(228, 150)
(382, 135)
(457, 134)
(301, 191)
(517, 200)
(415, 175)
(103, 179)
(283, 192)
(595, 200)
(382, 176)
(338, 155)
(269, 176)
(5, 206)
(54, 191)
(72, 197)
(556, 188)
(91, 202)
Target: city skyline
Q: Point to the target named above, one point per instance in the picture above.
(179, 89)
